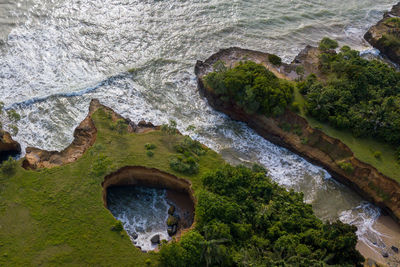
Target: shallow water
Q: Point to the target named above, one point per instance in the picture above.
(57, 55)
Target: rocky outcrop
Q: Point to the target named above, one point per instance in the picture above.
(305, 141)
(8, 147)
(384, 34)
(84, 137)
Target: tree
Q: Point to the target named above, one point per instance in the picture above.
(328, 44)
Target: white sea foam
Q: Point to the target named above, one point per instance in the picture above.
(52, 65)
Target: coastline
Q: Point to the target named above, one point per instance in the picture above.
(390, 236)
(321, 150)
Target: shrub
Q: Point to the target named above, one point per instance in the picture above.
(184, 165)
(169, 128)
(149, 146)
(300, 70)
(150, 153)
(13, 115)
(274, 59)
(8, 167)
(117, 227)
(147, 262)
(393, 22)
(1, 107)
(389, 40)
(191, 128)
(13, 129)
(328, 44)
(346, 166)
(295, 107)
(101, 165)
(378, 154)
(219, 66)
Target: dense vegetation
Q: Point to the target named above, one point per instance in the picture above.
(358, 94)
(244, 219)
(252, 87)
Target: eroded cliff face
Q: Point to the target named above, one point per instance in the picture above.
(84, 137)
(154, 178)
(375, 35)
(311, 144)
(8, 147)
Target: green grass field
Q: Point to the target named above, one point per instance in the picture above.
(56, 216)
(363, 148)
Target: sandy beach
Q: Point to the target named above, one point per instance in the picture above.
(390, 231)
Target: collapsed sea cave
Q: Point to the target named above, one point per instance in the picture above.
(152, 205)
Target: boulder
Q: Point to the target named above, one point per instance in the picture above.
(172, 230)
(395, 249)
(134, 235)
(172, 220)
(385, 254)
(155, 239)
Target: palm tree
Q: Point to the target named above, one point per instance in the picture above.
(213, 252)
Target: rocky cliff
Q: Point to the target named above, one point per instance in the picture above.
(84, 137)
(312, 144)
(385, 35)
(8, 147)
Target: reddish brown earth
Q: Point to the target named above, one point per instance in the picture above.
(375, 33)
(8, 147)
(84, 137)
(320, 148)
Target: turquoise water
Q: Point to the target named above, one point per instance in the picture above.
(57, 55)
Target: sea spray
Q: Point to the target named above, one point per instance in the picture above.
(143, 212)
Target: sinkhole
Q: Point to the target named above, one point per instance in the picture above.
(152, 205)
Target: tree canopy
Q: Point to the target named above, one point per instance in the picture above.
(358, 94)
(252, 87)
(245, 219)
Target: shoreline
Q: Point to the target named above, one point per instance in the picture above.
(390, 236)
(322, 149)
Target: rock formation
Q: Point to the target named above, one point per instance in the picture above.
(384, 34)
(8, 147)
